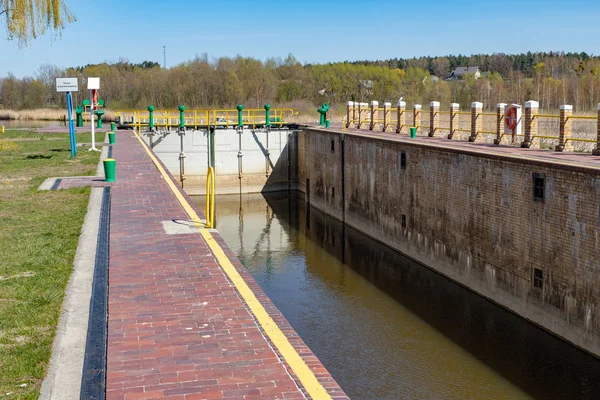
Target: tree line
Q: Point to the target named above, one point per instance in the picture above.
(550, 78)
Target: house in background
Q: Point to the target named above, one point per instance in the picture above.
(459, 72)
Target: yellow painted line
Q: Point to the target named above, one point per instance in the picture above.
(289, 354)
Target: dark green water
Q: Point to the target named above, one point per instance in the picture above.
(387, 327)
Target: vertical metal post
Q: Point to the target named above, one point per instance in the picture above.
(267, 153)
(92, 120)
(240, 131)
(72, 137)
(181, 153)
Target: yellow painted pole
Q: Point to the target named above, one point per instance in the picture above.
(2, 128)
(210, 198)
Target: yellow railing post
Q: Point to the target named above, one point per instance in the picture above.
(210, 198)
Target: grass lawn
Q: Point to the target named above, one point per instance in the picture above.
(39, 232)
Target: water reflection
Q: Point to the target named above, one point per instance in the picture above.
(11, 124)
(387, 327)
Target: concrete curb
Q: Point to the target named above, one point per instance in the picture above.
(63, 379)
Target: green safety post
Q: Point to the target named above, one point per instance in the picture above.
(111, 137)
(113, 126)
(110, 169)
(79, 113)
(240, 108)
(267, 119)
(99, 113)
(151, 117)
(181, 117)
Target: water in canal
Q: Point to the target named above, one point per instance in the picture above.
(387, 327)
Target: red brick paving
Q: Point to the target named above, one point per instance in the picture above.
(176, 326)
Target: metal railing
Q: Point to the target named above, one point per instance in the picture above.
(206, 117)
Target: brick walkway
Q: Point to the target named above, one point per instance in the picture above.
(177, 328)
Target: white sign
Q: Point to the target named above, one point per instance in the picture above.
(93, 83)
(67, 85)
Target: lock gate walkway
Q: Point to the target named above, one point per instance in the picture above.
(185, 320)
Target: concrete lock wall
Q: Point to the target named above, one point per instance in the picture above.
(473, 218)
(265, 159)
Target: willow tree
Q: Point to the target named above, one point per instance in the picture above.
(28, 19)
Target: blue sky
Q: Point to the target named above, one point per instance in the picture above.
(314, 31)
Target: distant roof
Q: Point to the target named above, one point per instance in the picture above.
(460, 71)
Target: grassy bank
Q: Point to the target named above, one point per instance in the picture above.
(39, 232)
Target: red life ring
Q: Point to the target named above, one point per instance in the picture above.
(510, 119)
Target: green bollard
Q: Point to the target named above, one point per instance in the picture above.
(111, 137)
(113, 126)
(181, 117)
(79, 113)
(413, 132)
(267, 118)
(151, 117)
(110, 169)
(323, 114)
(99, 113)
(240, 108)
(327, 123)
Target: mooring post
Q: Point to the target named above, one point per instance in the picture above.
(267, 118)
(181, 118)
(374, 114)
(501, 138)
(596, 151)
(240, 109)
(476, 122)
(434, 118)
(566, 129)
(401, 116)
(151, 118)
(79, 113)
(99, 113)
